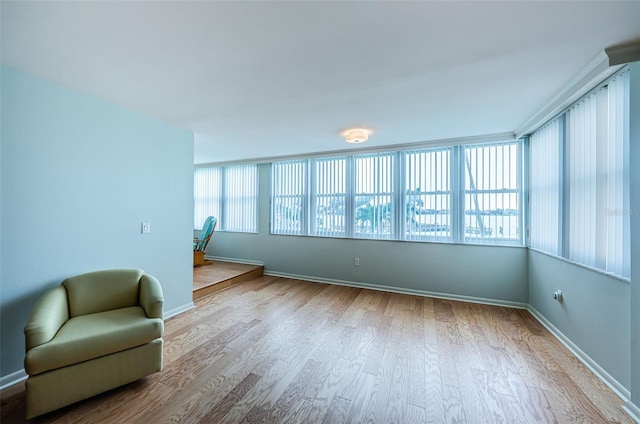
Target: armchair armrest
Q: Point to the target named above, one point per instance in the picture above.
(151, 298)
(49, 313)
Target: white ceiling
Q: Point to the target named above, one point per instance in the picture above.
(261, 79)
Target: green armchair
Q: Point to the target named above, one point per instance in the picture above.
(94, 332)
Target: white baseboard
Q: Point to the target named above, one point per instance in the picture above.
(603, 375)
(180, 309)
(234, 260)
(632, 410)
(471, 299)
(13, 378)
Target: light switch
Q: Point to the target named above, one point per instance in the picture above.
(146, 227)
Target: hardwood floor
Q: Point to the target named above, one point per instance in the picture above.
(219, 275)
(275, 350)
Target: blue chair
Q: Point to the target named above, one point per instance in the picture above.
(202, 240)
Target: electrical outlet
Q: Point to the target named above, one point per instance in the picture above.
(356, 261)
(557, 295)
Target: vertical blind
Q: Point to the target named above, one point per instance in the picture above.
(428, 194)
(230, 194)
(374, 196)
(586, 173)
(492, 192)
(207, 193)
(579, 180)
(618, 206)
(240, 198)
(288, 197)
(544, 190)
(329, 197)
(404, 195)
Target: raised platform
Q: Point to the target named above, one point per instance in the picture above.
(219, 275)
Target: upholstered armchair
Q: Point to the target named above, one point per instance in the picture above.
(92, 333)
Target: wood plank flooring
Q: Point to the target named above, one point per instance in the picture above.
(274, 350)
(219, 275)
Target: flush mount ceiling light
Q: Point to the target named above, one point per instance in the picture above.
(356, 135)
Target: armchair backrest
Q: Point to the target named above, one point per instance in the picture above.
(206, 223)
(102, 291)
(207, 230)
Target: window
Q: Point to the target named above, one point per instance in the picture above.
(404, 195)
(374, 196)
(427, 195)
(329, 197)
(230, 194)
(618, 210)
(492, 193)
(207, 193)
(240, 199)
(288, 197)
(544, 191)
(584, 215)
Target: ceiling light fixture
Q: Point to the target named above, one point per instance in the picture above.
(356, 135)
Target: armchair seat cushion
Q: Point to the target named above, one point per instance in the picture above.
(91, 336)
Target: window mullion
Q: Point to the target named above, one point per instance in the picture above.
(311, 198)
(307, 195)
(349, 201)
(223, 200)
(457, 194)
(400, 196)
(523, 194)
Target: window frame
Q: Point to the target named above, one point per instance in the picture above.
(399, 196)
(473, 190)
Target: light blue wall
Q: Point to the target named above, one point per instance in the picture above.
(594, 314)
(79, 175)
(497, 273)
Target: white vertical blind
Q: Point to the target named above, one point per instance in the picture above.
(544, 190)
(374, 196)
(492, 193)
(579, 195)
(329, 197)
(228, 193)
(241, 198)
(428, 194)
(288, 197)
(618, 212)
(207, 194)
(582, 178)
